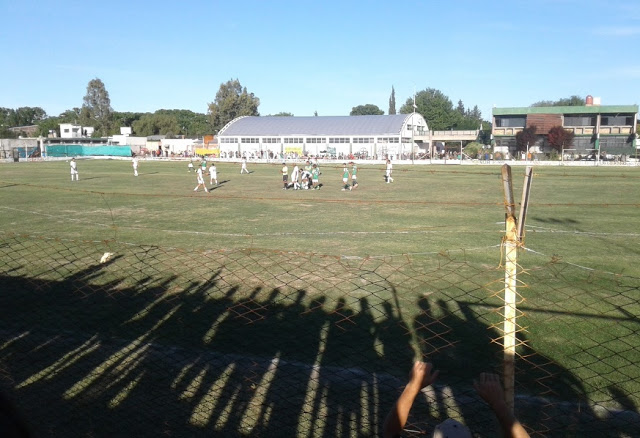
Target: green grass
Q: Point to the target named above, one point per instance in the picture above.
(367, 279)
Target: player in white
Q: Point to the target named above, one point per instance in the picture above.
(295, 174)
(134, 163)
(244, 166)
(200, 180)
(190, 166)
(285, 176)
(389, 171)
(213, 173)
(74, 169)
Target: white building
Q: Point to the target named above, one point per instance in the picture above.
(69, 130)
(398, 135)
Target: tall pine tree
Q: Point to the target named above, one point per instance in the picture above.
(392, 101)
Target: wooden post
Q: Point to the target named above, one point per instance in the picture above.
(511, 261)
(524, 205)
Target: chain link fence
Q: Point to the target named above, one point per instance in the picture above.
(113, 339)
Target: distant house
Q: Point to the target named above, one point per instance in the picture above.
(69, 130)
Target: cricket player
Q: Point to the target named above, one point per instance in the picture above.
(213, 173)
(244, 166)
(74, 169)
(134, 163)
(190, 166)
(200, 180)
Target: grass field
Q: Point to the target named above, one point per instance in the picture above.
(380, 274)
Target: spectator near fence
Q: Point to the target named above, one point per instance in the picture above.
(487, 386)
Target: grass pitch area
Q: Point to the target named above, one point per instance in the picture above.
(587, 216)
(323, 295)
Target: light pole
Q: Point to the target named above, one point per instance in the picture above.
(413, 126)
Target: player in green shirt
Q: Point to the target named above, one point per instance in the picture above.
(315, 176)
(345, 178)
(354, 178)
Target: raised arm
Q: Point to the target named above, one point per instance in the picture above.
(421, 376)
(489, 388)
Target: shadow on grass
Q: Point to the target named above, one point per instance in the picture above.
(90, 355)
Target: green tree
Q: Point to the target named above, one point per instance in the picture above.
(526, 138)
(156, 124)
(232, 100)
(23, 116)
(392, 101)
(460, 108)
(281, 114)
(96, 108)
(567, 101)
(435, 107)
(366, 110)
(191, 123)
(123, 119)
(560, 138)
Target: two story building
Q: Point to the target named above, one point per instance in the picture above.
(609, 129)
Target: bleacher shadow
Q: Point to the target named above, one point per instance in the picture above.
(92, 355)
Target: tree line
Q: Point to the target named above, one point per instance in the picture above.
(233, 100)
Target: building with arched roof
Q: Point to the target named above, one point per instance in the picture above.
(363, 136)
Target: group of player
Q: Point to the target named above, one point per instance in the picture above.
(200, 171)
(301, 179)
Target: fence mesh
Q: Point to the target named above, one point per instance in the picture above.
(113, 339)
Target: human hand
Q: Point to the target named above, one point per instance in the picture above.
(489, 388)
(422, 375)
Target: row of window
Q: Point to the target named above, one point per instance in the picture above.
(569, 120)
(298, 140)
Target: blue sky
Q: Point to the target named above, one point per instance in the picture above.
(325, 56)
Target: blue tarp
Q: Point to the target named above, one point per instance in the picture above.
(76, 150)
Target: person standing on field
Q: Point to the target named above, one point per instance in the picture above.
(74, 169)
(200, 180)
(295, 174)
(315, 177)
(345, 178)
(134, 163)
(243, 168)
(190, 166)
(354, 178)
(389, 171)
(213, 173)
(285, 176)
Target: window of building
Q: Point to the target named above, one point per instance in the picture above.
(511, 121)
(270, 140)
(616, 120)
(579, 120)
(388, 140)
(316, 140)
